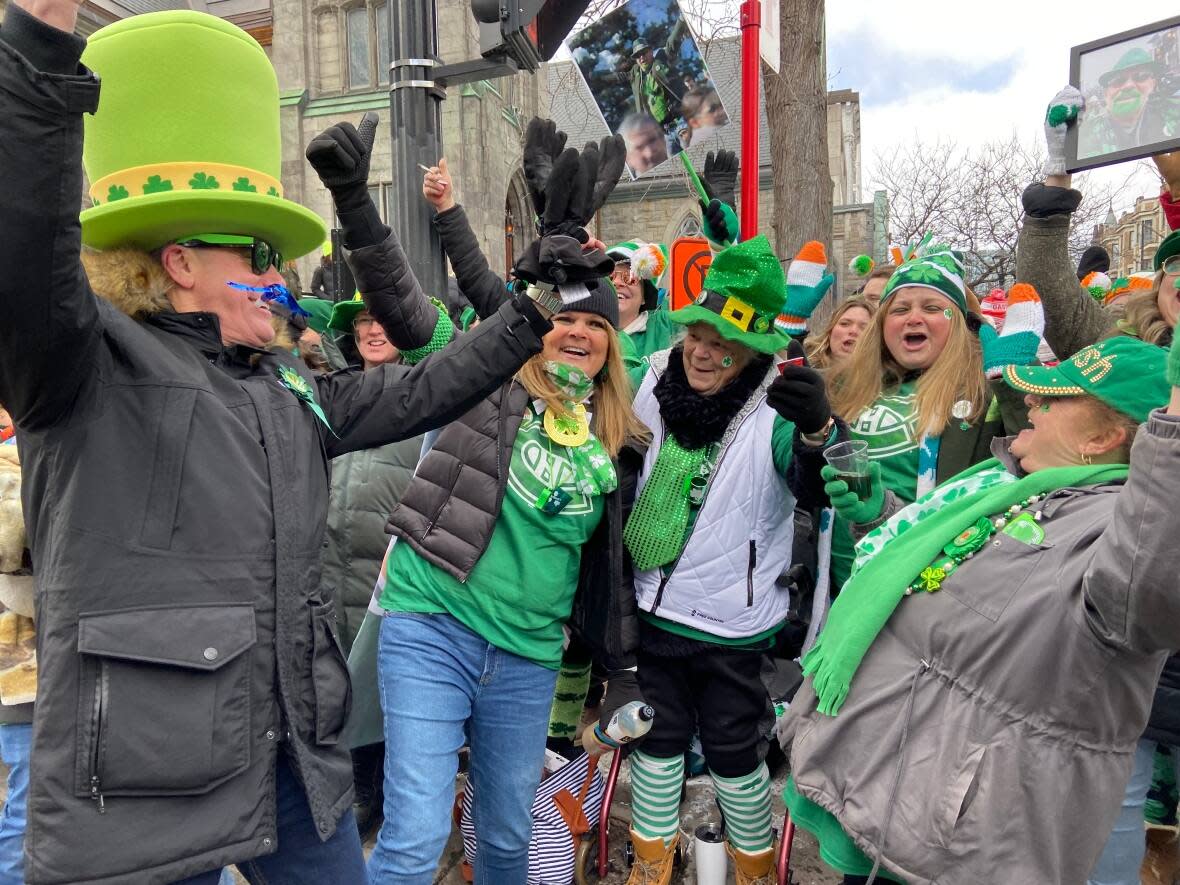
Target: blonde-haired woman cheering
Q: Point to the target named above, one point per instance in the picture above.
(833, 345)
(915, 388)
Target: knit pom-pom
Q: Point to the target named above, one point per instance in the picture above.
(861, 265)
(648, 262)
(1096, 279)
(1021, 292)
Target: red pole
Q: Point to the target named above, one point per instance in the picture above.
(751, 23)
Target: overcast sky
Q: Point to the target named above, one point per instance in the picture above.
(968, 71)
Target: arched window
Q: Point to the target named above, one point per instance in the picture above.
(689, 226)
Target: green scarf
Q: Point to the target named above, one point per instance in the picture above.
(874, 590)
(594, 474)
(574, 384)
(655, 531)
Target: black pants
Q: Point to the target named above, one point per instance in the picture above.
(718, 692)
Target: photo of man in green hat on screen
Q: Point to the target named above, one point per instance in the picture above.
(192, 687)
(1132, 106)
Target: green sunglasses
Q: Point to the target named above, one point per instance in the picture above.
(262, 254)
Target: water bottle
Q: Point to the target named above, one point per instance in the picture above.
(631, 721)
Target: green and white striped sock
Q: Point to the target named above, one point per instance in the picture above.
(745, 802)
(655, 795)
(573, 680)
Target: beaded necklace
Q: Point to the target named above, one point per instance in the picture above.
(972, 539)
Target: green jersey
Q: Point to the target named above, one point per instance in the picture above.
(890, 427)
(520, 593)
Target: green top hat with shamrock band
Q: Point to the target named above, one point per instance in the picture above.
(937, 268)
(186, 138)
(741, 296)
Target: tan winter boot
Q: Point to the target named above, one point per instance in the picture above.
(653, 860)
(1162, 862)
(753, 869)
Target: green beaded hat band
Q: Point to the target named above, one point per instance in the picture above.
(1125, 373)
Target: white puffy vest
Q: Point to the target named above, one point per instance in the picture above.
(723, 582)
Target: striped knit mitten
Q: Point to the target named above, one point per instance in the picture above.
(1017, 345)
(807, 284)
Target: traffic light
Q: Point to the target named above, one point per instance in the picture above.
(526, 31)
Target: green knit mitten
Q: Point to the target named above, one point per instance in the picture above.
(1174, 362)
(1017, 344)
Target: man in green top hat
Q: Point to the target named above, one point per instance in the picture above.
(1134, 110)
(192, 689)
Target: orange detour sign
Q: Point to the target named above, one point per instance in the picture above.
(691, 258)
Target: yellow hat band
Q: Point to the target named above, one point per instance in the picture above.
(172, 177)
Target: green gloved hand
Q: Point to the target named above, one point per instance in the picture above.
(1173, 369)
(845, 501)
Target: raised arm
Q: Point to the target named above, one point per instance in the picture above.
(49, 318)
(480, 285)
(1130, 585)
(393, 402)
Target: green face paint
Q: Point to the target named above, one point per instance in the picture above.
(1176, 283)
(1044, 407)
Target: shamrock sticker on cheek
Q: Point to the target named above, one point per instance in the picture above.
(946, 312)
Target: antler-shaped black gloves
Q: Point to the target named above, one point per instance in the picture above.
(543, 144)
(720, 176)
(568, 187)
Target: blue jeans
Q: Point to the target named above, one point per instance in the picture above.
(1123, 854)
(301, 858)
(442, 686)
(15, 741)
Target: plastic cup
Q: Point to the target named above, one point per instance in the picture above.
(850, 460)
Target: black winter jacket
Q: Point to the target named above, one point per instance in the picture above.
(175, 495)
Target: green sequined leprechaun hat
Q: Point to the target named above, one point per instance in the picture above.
(186, 138)
(741, 296)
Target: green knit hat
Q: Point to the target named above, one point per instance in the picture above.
(186, 138)
(741, 297)
(344, 313)
(1125, 373)
(319, 310)
(937, 268)
(1169, 247)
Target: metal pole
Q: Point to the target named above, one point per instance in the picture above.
(751, 114)
(416, 135)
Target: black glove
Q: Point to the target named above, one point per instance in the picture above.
(799, 395)
(622, 688)
(716, 224)
(720, 176)
(340, 156)
(1045, 201)
(543, 144)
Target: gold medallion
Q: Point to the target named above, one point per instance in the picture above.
(567, 431)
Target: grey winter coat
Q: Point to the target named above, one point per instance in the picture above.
(1074, 320)
(366, 486)
(991, 726)
(175, 496)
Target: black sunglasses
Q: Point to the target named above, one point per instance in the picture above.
(262, 254)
